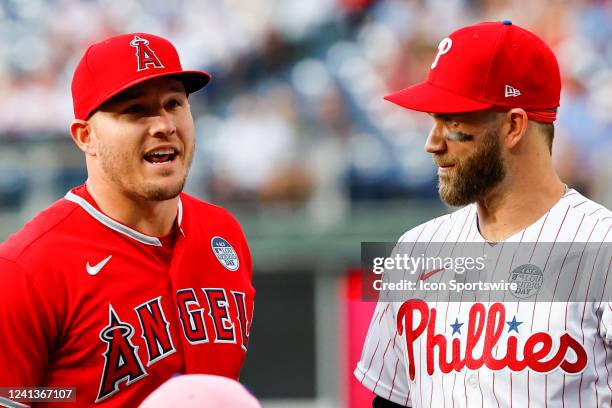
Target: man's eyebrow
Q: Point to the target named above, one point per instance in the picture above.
(126, 96)
(443, 116)
(177, 88)
(131, 94)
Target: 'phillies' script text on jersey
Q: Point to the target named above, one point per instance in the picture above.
(488, 324)
(428, 352)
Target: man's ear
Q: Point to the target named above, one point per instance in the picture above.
(515, 127)
(82, 134)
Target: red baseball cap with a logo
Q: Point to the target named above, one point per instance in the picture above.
(488, 65)
(120, 62)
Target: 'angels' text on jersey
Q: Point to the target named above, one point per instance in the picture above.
(121, 359)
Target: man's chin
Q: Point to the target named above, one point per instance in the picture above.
(451, 196)
(454, 201)
(163, 191)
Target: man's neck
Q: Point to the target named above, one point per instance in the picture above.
(512, 207)
(154, 218)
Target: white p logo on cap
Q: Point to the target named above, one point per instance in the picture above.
(443, 48)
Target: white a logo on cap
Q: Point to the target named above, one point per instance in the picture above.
(144, 54)
(443, 48)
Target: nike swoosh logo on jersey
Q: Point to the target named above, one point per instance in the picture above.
(429, 274)
(94, 270)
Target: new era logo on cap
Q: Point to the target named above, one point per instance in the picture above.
(118, 63)
(511, 91)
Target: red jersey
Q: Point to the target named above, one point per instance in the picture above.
(88, 302)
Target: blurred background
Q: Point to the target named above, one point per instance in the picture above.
(295, 139)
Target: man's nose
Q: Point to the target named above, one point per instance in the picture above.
(162, 124)
(436, 140)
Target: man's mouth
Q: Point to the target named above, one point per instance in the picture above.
(162, 155)
(443, 169)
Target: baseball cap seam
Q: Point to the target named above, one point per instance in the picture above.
(492, 57)
(93, 80)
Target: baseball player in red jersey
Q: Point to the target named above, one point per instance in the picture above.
(492, 92)
(126, 281)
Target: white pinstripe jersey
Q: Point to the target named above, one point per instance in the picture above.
(573, 333)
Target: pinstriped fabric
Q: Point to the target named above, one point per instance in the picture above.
(573, 220)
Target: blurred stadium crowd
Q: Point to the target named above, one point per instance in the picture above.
(295, 113)
(294, 129)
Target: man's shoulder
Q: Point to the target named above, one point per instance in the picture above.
(43, 228)
(594, 220)
(582, 206)
(206, 214)
(440, 226)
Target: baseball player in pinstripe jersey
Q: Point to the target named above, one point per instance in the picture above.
(492, 92)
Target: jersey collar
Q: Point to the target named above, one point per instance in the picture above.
(117, 226)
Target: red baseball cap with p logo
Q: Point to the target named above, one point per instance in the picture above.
(118, 63)
(488, 65)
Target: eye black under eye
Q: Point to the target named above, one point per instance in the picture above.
(459, 136)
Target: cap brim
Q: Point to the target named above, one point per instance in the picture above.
(425, 97)
(192, 80)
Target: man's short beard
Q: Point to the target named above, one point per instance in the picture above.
(147, 191)
(154, 192)
(476, 175)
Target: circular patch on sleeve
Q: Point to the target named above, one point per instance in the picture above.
(225, 253)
